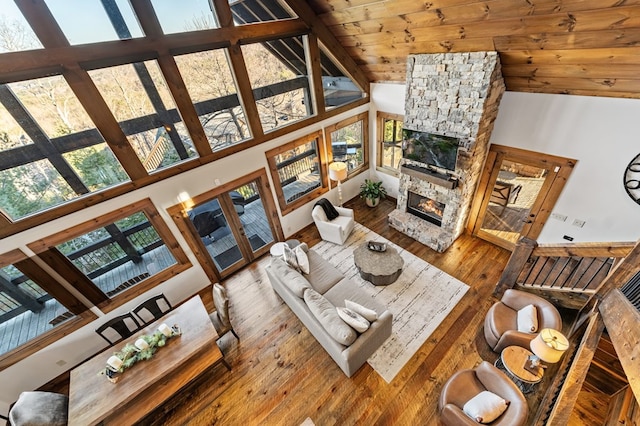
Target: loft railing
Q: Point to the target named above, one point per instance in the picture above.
(567, 273)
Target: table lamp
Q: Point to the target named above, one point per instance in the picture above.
(338, 172)
(548, 346)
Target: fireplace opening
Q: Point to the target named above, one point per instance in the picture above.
(425, 208)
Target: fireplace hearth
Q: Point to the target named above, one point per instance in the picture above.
(425, 208)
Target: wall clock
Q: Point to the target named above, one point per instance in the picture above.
(632, 179)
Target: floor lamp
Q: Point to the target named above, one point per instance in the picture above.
(338, 172)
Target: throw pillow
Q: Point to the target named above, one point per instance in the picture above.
(485, 407)
(302, 259)
(355, 320)
(369, 314)
(289, 277)
(328, 317)
(290, 258)
(528, 319)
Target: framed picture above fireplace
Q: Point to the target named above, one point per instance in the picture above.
(430, 149)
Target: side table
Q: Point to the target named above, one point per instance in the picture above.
(512, 361)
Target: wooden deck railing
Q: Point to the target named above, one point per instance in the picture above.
(567, 273)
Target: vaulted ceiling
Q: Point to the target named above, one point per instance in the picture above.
(581, 47)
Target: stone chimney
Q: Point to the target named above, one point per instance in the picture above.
(455, 95)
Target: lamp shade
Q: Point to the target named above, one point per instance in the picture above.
(338, 171)
(549, 345)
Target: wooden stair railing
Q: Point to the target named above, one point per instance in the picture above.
(568, 274)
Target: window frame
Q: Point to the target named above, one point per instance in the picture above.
(45, 249)
(322, 169)
(364, 118)
(41, 277)
(381, 116)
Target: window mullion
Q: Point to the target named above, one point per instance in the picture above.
(313, 52)
(43, 23)
(245, 91)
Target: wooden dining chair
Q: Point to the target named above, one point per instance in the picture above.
(152, 309)
(118, 328)
(220, 317)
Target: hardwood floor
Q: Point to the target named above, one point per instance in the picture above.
(281, 375)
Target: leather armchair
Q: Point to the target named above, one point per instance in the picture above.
(336, 230)
(501, 322)
(466, 384)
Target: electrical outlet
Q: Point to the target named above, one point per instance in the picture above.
(61, 363)
(579, 223)
(217, 182)
(560, 217)
(568, 238)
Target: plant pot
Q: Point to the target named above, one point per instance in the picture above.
(372, 202)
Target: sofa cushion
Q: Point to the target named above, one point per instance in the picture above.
(322, 275)
(328, 317)
(366, 313)
(355, 320)
(290, 258)
(290, 277)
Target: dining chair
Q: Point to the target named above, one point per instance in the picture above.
(118, 328)
(220, 317)
(152, 309)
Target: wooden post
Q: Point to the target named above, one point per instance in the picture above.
(521, 253)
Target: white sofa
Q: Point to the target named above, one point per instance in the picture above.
(336, 230)
(328, 281)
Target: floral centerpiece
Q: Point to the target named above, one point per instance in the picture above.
(144, 348)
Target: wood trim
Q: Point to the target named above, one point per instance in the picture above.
(245, 91)
(179, 214)
(362, 117)
(607, 249)
(273, 169)
(42, 23)
(621, 320)
(223, 13)
(45, 248)
(312, 51)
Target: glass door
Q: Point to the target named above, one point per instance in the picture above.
(233, 227)
(516, 194)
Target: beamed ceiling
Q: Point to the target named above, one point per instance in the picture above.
(580, 47)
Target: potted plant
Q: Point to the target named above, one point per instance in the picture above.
(372, 192)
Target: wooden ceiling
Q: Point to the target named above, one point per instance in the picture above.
(580, 47)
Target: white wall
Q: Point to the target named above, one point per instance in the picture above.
(601, 133)
(44, 365)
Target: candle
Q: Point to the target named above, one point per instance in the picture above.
(114, 363)
(165, 329)
(141, 344)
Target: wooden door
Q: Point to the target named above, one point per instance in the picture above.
(516, 194)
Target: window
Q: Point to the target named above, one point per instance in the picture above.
(278, 74)
(248, 12)
(389, 135)
(141, 102)
(337, 86)
(297, 171)
(17, 35)
(34, 309)
(349, 142)
(213, 92)
(111, 255)
(51, 151)
(185, 15)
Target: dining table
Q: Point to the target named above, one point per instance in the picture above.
(147, 384)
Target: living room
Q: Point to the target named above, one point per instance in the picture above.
(595, 131)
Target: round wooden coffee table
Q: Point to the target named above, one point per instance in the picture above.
(512, 361)
(378, 267)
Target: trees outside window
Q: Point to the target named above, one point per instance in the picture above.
(389, 135)
(349, 142)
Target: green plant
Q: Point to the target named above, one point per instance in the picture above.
(372, 190)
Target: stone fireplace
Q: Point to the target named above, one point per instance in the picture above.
(454, 95)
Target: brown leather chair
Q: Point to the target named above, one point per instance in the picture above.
(466, 384)
(501, 324)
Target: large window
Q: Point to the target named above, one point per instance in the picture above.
(280, 82)
(213, 92)
(113, 259)
(34, 309)
(297, 171)
(349, 142)
(389, 136)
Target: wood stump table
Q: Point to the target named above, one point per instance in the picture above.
(378, 267)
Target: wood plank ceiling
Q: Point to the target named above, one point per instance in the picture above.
(580, 47)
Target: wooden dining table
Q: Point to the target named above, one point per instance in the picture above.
(146, 385)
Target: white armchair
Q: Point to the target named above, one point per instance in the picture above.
(336, 230)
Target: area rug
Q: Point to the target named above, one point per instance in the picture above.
(420, 299)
